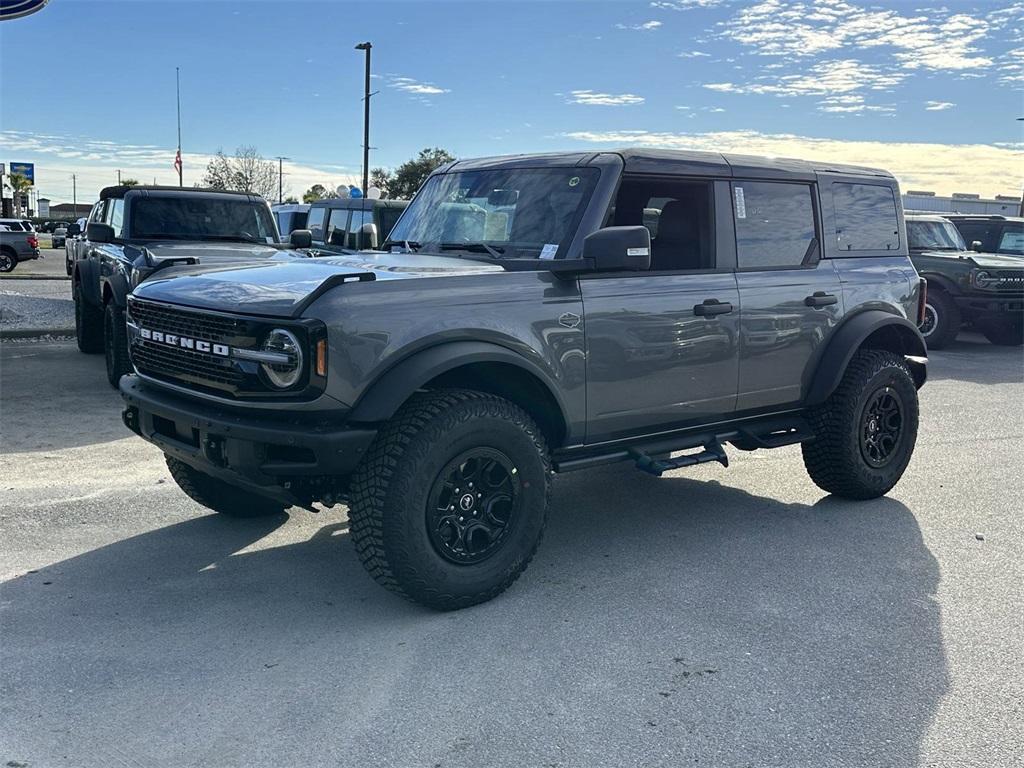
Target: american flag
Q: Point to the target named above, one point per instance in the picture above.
(177, 162)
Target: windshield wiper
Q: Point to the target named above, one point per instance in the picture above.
(492, 250)
(411, 246)
(232, 238)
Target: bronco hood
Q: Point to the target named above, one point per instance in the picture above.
(980, 260)
(284, 286)
(210, 252)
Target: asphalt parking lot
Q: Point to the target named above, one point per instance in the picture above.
(713, 617)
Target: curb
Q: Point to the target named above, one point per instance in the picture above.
(34, 277)
(34, 333)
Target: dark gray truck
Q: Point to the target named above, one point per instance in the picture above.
(135, 231)
(522, 321)
(16, 246)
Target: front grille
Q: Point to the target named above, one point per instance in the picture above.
(182, 322)
(1010, 281)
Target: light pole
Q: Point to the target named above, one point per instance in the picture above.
(280, 177)
(366, 118)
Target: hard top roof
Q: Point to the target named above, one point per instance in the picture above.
(983, 217)
(120, 190)
(359, 203)
(677, 161)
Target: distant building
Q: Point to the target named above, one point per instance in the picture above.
(70, 210)
(961, 202)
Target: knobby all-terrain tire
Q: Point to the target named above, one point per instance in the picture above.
(220, 496)
(835, 459)
(115, 343)
(393, 487)
(1004, 334)
(88, 323)
(8, 260)
(945, 319)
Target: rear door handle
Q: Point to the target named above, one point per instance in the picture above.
(820, 299)
(712, 307)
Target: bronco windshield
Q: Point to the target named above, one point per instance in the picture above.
(504, 213)
(934, 236)
(201, 218)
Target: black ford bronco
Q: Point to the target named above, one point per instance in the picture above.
(984, 290)
(532, 315)
(135, 231)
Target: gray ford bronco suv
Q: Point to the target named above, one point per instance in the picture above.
(532, 315)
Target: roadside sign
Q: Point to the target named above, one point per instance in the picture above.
(12, 9)
(28, 170)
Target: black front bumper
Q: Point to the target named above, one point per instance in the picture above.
(271, 453)
(978, 306)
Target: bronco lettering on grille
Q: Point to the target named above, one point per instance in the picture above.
(184, 342)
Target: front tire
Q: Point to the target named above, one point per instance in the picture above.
(449, 505)
(1004, 334)
(88, 323)
(115, 343)
(865, 432)
(220, 496)
(942, 319)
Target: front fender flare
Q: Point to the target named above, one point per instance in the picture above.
(86, 276)
(892, 332)
(388, 392)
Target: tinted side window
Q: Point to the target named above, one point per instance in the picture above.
(315, 222)
(337, 227)
(985, 232)
(865, 217)
(388, 217)
(774, 224)
(117, 216)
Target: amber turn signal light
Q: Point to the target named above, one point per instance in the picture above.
(321, 357)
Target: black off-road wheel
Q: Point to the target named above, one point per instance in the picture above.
(8, 260)
(449, 505)
(220, 496)
(866, 431)
(88, 323)
(1004, 334)
(942, 319)
(115, 343)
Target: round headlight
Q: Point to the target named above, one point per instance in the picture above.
(983, 279)
(288, 371)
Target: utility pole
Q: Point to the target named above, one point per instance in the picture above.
(280, 177)
(74, 194)
(118, 177)
(366, 118)
(177, 162)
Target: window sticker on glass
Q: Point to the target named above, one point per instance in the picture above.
(549, 250)
(741, 205)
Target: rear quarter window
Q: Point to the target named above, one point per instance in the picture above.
(315, 223)
(866, 218)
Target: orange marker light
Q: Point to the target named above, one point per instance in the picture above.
(321, 357)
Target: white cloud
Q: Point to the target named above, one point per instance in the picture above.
(850, 104)
(944, 168)
(409, 85)
(595, 98)
(938, 106)
(692, 54)
(939, 40)
(683, 5)
(645, 26)
(823, 79)
(95, 164)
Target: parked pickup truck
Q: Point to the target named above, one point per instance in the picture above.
(985, 290)
(133, 232)
(524, 321)
(15, 246)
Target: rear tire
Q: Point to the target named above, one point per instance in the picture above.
(865, 432)
(88, 323)
(449, 505)
(115, 343)
(942, 319)
(1004, 334)
(220, 496)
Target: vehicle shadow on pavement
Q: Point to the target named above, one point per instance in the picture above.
(972, 359)
(664, 622)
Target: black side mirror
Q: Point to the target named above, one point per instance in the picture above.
(74, 230)
(99, 233)
(976, 245)
(301, 238)
(619, 248)
(368, 238)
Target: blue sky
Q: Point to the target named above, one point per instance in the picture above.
(931, 91)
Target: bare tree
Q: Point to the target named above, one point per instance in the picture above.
(246, 171)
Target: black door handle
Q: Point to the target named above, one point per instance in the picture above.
(820, 299)
(712, 307)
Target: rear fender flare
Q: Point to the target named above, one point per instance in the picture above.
(884, 331)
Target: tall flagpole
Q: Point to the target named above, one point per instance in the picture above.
(177, 82)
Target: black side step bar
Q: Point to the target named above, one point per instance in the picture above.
(713, 451)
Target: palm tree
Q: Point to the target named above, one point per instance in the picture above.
(19, 185)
